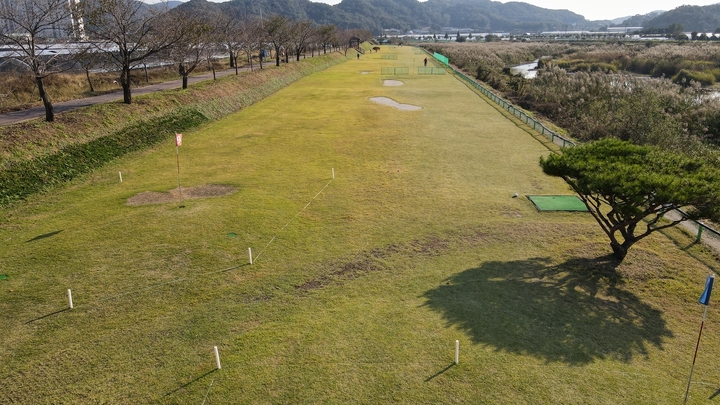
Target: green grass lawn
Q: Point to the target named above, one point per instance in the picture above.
(359, 296)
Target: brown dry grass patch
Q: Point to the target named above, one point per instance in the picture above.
(189, 193)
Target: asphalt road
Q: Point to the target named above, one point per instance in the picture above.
(39, 112)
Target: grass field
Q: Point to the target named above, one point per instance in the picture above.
(359, 296)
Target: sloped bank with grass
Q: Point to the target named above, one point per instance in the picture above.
(37, 155)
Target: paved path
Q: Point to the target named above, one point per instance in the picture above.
(39, 112)
(708, 237)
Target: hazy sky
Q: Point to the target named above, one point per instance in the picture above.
(602, 9)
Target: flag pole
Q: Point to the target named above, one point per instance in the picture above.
(705, 301)
(178, 143)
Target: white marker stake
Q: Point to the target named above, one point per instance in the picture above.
(457, 352)
(217, 358)
(250, 254)
(70, 298)
(333, 172)
(120, 174)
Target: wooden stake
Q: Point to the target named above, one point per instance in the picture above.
(70, 298)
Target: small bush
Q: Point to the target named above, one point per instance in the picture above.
(685, 77)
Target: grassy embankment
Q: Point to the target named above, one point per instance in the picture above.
(37, 155)
(417, 242)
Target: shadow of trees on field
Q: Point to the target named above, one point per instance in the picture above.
(574, 312)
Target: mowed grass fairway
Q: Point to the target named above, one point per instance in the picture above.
(359, 296)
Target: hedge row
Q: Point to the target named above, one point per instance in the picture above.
(20, 179)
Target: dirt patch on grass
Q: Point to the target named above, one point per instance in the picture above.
(392, 83)
(392, 103)
(189, 193)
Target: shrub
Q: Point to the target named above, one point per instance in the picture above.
(685, 77)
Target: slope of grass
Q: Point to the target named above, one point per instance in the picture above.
(361, 284)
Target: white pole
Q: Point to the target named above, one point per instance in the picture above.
(333, 172)
(457, 352)
(120, 174)
(70, 298)
(217, 358)
(250, 254)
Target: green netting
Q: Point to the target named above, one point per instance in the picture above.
(431, 71)
(389, 57)
(394, 71)
(557, 203)
(442, 59)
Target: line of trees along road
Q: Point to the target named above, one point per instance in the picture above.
(121, 35)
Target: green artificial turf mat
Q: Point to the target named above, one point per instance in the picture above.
(557, 203)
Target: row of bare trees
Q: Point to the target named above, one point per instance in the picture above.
(124, 34)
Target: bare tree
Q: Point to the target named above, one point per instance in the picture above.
(302, 33)
(194, 47)
(230, 33)
(27, 25)
(279, 33)
(128, 32)
(87, 59)
(252, 39)
(328, 36)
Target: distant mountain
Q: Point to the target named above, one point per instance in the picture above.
(693, 18)
(404, 15)
(637, 20)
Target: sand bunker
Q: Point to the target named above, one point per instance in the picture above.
(365, 72)
(154, 197)
(392, 103)
(392, 83)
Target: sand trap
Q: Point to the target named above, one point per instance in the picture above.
(365, 72)
(154, 197)
(392, 103)
(393, 83)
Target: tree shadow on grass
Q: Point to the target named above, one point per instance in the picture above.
(573, 313)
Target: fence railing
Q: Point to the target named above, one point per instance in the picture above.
(395, 71)
(553, 136)
(431, 71)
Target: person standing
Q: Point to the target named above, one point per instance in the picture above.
(425, 61)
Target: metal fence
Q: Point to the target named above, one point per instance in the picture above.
(431, 71)
(395, 71)
(553, 136)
